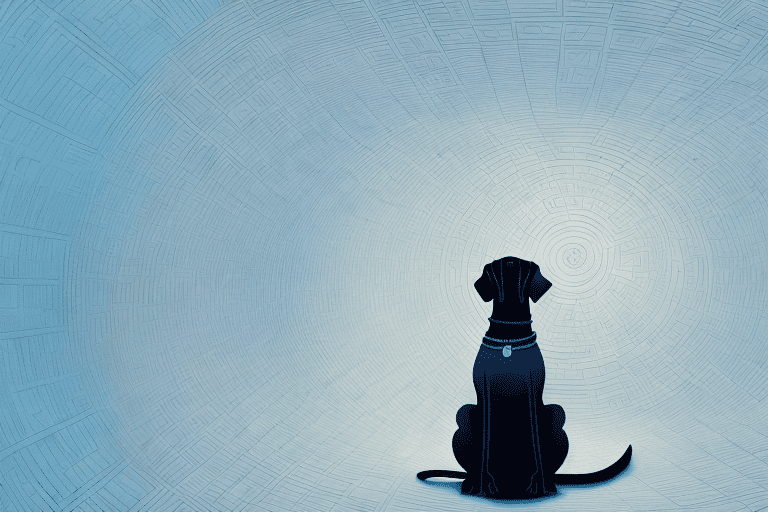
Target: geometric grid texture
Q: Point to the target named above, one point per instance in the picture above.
(238, 242)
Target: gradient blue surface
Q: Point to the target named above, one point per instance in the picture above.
(238, 242)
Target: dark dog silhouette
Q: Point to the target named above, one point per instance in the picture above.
(511, 444)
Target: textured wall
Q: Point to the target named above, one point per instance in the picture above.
(238, 242)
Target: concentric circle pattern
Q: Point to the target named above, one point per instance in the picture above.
(238, 242)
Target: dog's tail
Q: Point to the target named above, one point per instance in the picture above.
(560, 479)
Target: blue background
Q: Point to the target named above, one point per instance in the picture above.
(238, 242)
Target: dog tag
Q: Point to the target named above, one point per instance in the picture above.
(507, 350)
